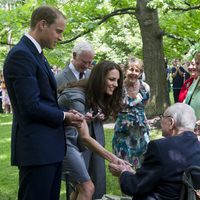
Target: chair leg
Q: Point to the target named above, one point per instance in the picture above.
(67, 187)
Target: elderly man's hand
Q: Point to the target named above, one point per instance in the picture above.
(116, 169)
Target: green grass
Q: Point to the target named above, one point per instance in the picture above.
(9, 174)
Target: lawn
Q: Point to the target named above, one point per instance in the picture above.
(9, 175)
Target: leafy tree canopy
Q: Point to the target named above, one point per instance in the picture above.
(110, 25)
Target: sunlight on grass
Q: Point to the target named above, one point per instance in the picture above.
(3, 156)
(5, 140)
(6, 123)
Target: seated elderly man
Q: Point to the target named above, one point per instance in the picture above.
(166, 159)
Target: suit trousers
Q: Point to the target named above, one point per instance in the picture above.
(40, 182)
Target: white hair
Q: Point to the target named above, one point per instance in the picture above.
(83, 46)
(183, 115)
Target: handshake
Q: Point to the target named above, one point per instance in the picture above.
(118, 168)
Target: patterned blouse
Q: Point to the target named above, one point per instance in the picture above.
(131, 131)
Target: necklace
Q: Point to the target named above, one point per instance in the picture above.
(133, 88)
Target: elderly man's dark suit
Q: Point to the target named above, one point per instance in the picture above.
(37, 132)
(161, 173)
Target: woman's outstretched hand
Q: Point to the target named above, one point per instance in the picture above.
(117, 169)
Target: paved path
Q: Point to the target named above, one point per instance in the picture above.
(109, 125)
(154, 123)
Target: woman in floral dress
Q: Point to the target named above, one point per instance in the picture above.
(131, 132)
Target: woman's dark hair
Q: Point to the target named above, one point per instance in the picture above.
(95, 89)
(47, 13)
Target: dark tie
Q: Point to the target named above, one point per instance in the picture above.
(44, 61)
(81, 75)
(42, 55)
(45, 64)
(47, 68)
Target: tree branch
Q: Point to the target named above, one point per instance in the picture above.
(119, 12)
(186, 3)
(6, 43)
(130, 11)
(197, 7)
(169, 35)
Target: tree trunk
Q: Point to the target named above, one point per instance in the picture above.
(153, 57)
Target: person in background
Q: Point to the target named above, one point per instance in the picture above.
(6, 106)
(38, 140)
(177, 78)
(197, 129)
(133, 59)
(168, 73)
(188, 82)
(122, 66)
(131, 131)
(78, 68)
(55, 69)
(160, 176)
(96, 98)
(1, 79)
(92, 65)
(186, 74)
(193, 94)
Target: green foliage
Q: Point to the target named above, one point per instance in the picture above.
(8, 175)
(114, 39)
(182, 24)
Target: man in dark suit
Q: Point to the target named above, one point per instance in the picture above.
(38, 142)
(78, 68)
(166, 159)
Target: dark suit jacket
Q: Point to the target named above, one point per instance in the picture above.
(161, 173)
(37, 131)
(67, 76)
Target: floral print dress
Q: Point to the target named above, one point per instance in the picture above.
(131, 131)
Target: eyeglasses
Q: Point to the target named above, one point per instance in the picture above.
(164, 116)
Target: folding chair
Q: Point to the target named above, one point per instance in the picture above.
(68, 186)
(191, 184)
